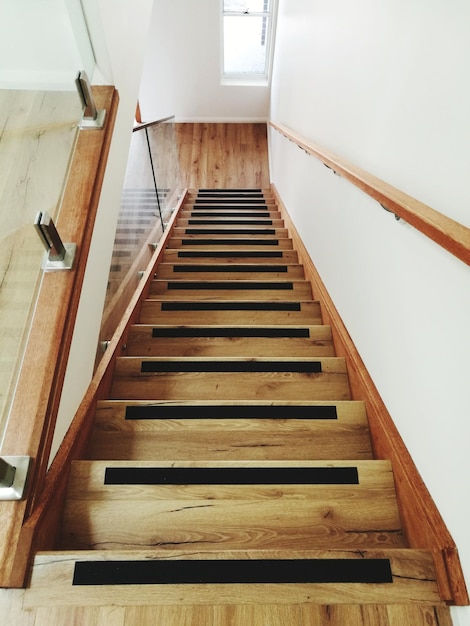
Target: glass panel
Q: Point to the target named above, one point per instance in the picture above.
(37, 138)
(151, 190)
(245, 45)
(43, 44)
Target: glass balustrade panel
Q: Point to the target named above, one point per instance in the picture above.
(151, 191)
(38, 131)
(42, 48)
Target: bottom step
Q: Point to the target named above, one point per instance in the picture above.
(167, 578)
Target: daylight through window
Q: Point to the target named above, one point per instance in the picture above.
(247, 38)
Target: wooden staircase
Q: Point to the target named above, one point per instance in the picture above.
(231, 478)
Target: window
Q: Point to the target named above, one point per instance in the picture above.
(247, 38)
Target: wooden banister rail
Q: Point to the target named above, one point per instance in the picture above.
(37, 395)
(154, 123)
(443, 230)
(39, 531)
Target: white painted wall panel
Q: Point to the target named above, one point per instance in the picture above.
(182, 69)
(384, 85)
(39, 47)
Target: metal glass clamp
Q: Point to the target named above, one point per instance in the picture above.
(13, 476)
(58, 255)
(92, 118)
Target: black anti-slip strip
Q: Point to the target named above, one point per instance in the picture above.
(247, 571)
(231, 221)
(230, 189)
(228, 214)
(230, 242)
(227, 192)
(237, 200)
(233, 285)
(222, 411)
(231, 268)
(230, 332)
(230, 306)
(231, 476)
(230, 231)
(223, 254)
(301, 367)
(245, 210)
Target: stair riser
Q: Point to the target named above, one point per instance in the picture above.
(222, 386)
(205, 441)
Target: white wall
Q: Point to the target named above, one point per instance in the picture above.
(119, 31)
(40, 46)
(384, 85)
(182, 70)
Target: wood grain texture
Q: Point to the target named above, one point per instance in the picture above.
(413, 582)
(141, 342)
(287, 257)
(223, 155)
(225, 614)
(130, 383)
(296, 290)
(276, 517)
(308, 313)
(211, 438)
(242, 271)
(192, 242)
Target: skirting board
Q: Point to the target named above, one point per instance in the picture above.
(422, 522)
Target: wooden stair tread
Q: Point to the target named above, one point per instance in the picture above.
(231, 289)
(258, 255)
(208, 508)
(412, 571)
(190, 242)
(229, 221)
(240, 271)
(218, 431)
(250, 312)
(217, 340)
(131, 383)
(230, 212)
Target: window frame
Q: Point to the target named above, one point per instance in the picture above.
(249, 78)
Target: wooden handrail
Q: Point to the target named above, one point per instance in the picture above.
(154, 123)
(37, 395)
(443, 230)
